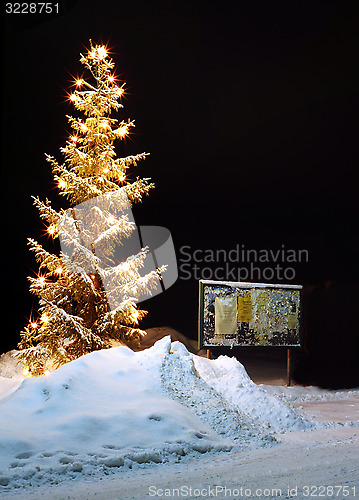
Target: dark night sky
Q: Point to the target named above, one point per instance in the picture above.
(248, 109)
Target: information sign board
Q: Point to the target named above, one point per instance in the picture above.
(249, 314)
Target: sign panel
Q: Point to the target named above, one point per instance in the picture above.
(249, 314)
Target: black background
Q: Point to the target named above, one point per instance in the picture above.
(249, 110)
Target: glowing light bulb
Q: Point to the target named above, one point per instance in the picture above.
(74, 138)
(104, 125)
(59, 270)
(121, 177)
(33, 324)
(122, 131)
(83, 127)
(102, 52)
(73, 97)
(134, 316)
(45, 318)
(61, 183)
(106, 170)
(79, 82)
(47, 372)
(120, 92)
(111, 78)
(51, 230)
(41, 280)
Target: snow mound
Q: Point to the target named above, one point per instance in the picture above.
(118, 409)
(9, 367)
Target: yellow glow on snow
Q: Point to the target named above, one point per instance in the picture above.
(26, 372)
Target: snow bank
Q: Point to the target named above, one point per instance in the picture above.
(9, 367)
(298, 394)
(229, 378)
(116, 409)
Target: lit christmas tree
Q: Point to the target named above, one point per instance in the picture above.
(87, 298)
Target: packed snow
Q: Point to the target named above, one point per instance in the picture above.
(117, 411)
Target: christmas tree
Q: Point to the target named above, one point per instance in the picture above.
(88, 291)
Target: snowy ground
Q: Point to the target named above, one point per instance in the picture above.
(165, 423)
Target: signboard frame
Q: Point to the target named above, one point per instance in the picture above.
(247, 286)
